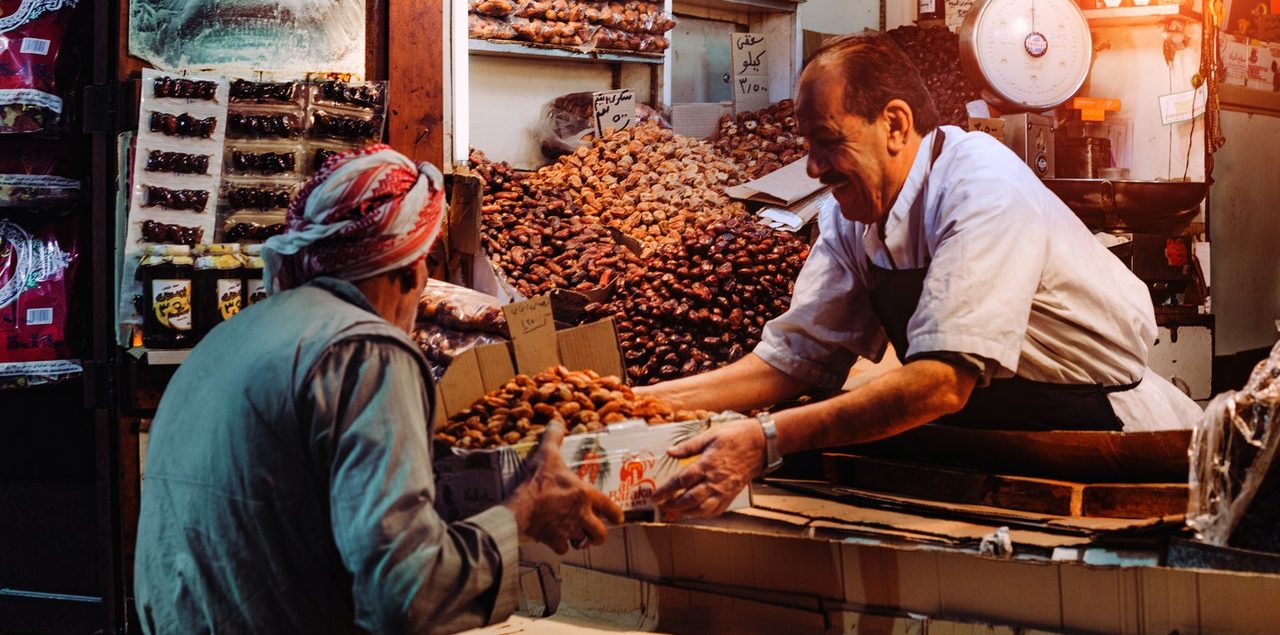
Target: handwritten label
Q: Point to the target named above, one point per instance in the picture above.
(533, 334)
(614, 109)
(991, 126)
(748, 54)
(750, 93)
(750, 71)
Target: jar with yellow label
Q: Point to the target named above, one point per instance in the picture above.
(168, 320)
(254, 289)
(218, 285)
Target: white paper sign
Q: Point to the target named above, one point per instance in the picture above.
(613, 109)
(750, 71)
(1182, 106)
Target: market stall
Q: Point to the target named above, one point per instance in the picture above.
(628, 206)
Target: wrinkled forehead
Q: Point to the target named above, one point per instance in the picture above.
(819, 95)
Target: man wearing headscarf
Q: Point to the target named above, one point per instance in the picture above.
(288, 481)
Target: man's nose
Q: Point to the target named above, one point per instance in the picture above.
(815, 166)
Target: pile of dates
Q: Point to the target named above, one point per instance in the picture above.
(762, 141)
(703, 302)
(935, 51)
(583, 400)
(647, 182)
(534, 236)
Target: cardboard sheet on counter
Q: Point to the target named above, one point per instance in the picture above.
(785, 186)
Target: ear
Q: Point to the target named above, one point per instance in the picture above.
(901, 122)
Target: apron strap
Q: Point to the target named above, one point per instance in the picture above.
(915, 216)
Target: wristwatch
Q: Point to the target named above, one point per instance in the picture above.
(772, 457)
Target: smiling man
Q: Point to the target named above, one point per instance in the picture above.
(1004, 310)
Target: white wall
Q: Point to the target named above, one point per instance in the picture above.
(1131, 67)
(839, 16)
(1245, 232)
(508, 97)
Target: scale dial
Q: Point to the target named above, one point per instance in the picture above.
(1032, 55)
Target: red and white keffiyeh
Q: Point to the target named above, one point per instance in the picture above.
(364, 213)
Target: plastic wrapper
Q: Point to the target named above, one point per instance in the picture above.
(244, 91)
(37, 261)
(460, 308)
(168, 87)
(482, 27)
(263, 160)
(569, 119)
(359, 95)
(611, 38)
(633, 16)
(263, 124)
(240, 195)
(253, 228)
(32, 34)
(345, 126)
(492, 8)
(441, 345)
(171, 233)
(1232, 462)
(182, 125)
(37, 172)
(553, 10)
(189, 200)
(553, 33)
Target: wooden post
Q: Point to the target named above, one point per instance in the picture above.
(415, 70)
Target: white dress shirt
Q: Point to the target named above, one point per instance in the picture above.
(1014, 278)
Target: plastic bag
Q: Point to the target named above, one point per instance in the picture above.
(441, 345)
(33, 33)
(37, 261)
(553, 10)
(1238, 430)
(493, 8)
(461, 309)
(482, 27)
(570, 118)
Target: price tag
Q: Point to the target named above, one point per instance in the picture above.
(750, 93)
(613, 109)
(1182, 106)
(533, 334)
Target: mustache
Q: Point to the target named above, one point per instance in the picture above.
(831, 179)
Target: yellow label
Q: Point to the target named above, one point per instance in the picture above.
(171, 301)
(228, 297)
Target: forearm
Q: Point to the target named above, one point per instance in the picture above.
(744, 385)
(895, 402)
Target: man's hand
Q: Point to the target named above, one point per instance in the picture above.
(732, 455)
(556, 507)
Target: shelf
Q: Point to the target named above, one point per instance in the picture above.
(1137, 16)
(163, 357)
(529, 50)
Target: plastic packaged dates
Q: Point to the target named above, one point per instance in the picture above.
(245, 91)
(263, 125)
(177, 162)
(32, 33)
(182, 88)
(353, 128)
(171, 234)
(483, 27)
(190, 200)
(364, 95)
(183, 125)
(494, 8)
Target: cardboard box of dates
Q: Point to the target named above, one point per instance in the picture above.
(494, 401)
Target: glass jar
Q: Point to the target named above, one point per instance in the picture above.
(168, 320)
(218, 285)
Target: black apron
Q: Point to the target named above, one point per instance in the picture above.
(1006, 404)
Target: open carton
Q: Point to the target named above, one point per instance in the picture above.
(627, 461)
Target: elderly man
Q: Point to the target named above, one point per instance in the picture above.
(1003, 308)
(289, 485)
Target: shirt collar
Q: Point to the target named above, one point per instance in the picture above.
(343, 290)
(906, 196)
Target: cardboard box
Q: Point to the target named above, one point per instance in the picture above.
(700, 121)
(1235, 55)
(627, 462)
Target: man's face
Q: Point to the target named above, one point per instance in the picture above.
(846, 151)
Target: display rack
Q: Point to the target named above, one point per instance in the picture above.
(527, 50)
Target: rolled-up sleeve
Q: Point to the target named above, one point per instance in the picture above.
(989, 250)
(830, 322)
(411, 571)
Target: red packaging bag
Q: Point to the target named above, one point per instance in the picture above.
(31, 34)
(36, 266)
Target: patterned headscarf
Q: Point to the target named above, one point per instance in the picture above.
(364, 213)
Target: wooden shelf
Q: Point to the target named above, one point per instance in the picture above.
(1251, 100)
(528, 50)
(1137, 16)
